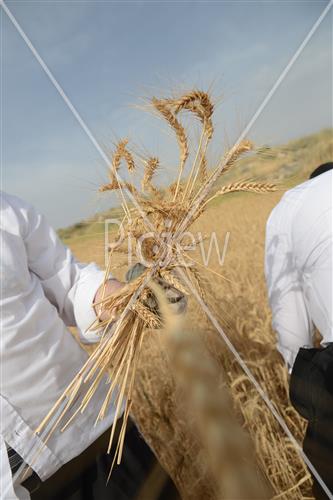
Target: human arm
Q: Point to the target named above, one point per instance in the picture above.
(68, 284)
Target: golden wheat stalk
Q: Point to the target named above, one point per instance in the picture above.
(172, 189)
(226, 162)
(113, 174)
(120, 153)
(201, 169)
(199, 103)
(203, 172)
(170, 277)
(243, 147)
(179, 130)
(151, 166)
(199, 153)
(250, 187)
(150, 319)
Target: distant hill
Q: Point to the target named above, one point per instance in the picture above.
(288, 164)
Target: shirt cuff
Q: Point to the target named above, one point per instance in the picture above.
(91, 278)
(288, 356)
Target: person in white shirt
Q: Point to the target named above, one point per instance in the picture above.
(298, 269)
(43, 291)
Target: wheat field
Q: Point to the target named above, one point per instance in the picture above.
(238, 300)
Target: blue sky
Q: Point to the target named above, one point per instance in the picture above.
(107, 55)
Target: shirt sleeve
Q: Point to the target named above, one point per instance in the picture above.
(69, 285)
(290, 318)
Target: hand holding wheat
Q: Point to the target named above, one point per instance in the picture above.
(108, 289)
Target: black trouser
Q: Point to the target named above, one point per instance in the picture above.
(85, 477)
(311, 392)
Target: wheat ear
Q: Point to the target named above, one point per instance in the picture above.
(172, 280)
(252, 187)
(198, 103)
(179, 130)
(151, 166)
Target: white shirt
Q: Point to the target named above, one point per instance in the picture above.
(298, 265)
(43, 291)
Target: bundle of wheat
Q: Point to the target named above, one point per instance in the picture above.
(150, 210)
